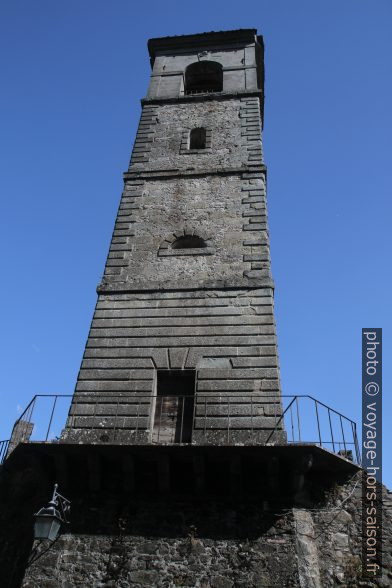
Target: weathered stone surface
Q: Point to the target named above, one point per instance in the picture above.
(175, 206)
(215, 543)
(173, 120)
(134, 334)
(195, 557)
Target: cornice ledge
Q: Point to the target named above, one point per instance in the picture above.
(202, 97)
(175, 173)
(124, 287)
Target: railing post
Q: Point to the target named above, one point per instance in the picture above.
(275, 411)
(228, 420)
(193, 417)
(292, 423)
(51, 417)
(298, 419)
(318, 423)
(137, 420)
(205, 416)
(75, 410)
(251, 417)
(356, 445)
(330, 427)
(182, 417)
(344, 440)
(160, 417)
(94, 415)
(29, 416)
(116, 419)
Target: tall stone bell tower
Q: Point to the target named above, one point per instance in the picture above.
(182, 345)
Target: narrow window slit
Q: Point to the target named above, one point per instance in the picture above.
(197, 138)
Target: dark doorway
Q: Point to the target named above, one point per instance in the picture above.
(173, 418)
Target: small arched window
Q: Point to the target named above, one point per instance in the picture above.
(184, 242)
(203, 76)
(189, 242)
(197, 138)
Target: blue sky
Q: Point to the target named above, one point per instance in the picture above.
(72, 75)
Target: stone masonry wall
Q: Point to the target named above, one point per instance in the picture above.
(335, 535)
(234, 133)
(219, 544)
(239, 59)
(227, 211)
(228, 337)
(206, 546)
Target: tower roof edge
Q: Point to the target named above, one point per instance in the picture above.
(202, 40)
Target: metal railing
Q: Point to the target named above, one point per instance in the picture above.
(323, 426)
(203, 91)
(250, 419)
(4, 449)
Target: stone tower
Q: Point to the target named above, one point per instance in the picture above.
(174, 453)
(184, 329)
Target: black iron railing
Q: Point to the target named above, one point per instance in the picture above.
(4, 449)
(147, 419)
(323, 426)
(202, 91)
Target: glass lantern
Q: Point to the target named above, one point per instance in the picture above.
(47, 523)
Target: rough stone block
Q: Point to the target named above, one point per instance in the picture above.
(254, 227)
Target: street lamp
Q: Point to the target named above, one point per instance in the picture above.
(48, 520)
